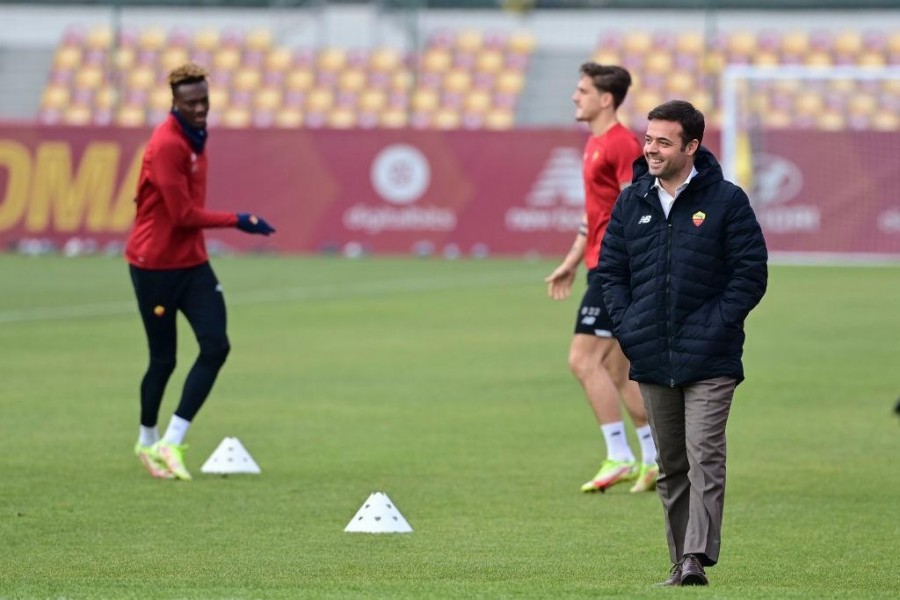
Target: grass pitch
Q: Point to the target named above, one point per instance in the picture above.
(444, 384)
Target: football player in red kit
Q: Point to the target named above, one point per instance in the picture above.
(170, 269)
(595, 357)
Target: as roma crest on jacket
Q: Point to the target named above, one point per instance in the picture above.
(698, 218)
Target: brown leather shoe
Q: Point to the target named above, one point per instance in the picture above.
(674, 577)
(692, 572)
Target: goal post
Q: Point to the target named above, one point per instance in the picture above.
(816, 149)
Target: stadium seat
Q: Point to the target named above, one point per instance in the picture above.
(131, 115)
(236, 117)
(394, 118)
(288, 117)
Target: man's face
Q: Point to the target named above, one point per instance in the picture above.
(192, 102)
(663, 149)
(589, 101)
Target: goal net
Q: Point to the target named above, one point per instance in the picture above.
(818, 151)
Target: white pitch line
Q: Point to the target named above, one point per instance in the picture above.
(314, 292)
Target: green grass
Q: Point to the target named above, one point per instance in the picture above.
(444, 384)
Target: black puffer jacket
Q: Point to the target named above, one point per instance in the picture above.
(678, 290)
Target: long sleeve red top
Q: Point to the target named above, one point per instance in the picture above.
(171, 195)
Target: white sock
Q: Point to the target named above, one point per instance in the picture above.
(176, 431)
(648, 448)
(616, 442)
(147, 436)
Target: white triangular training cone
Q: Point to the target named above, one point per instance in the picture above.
(378, 514)
(230, 457)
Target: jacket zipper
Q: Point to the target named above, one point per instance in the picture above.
(668, 299)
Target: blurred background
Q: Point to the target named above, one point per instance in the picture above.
(431, 127)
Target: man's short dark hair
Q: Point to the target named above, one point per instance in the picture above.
(692, 122)
(608, 78)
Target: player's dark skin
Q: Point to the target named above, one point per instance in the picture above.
(191, 100)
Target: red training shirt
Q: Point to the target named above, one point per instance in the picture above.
(607, 165)
(171, 194)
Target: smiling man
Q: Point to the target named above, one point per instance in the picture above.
(682, 264)
(170, 270)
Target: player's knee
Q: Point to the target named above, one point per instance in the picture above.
(579, 364)
(215, 350)
(162, 365)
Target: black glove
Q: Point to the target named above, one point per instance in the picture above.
(253, 224)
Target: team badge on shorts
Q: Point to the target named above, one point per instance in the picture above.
(698, 218)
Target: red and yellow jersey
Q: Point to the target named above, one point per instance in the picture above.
(171, 195)
(607, 167)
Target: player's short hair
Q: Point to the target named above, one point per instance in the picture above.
(692, 121)
(186, 74)
(608, 78)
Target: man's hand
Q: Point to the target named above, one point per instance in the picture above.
(559, 282)
(253, 224)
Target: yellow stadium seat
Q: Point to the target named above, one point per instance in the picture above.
(848, 43)
(402, 81)
(861, 104)
(105, 98)
(714, 63)
(680, 83)
(871, 59)
(206, 40)
(808, 103)
(123, 59)
(521, 42)
(352, 80)
(478, 101)
(77, 114)
(218, 97)
(289, 117)
(795, 43)
(341, 117)
(259, 40)
(818, 58)
(173, 57)
(510, 82)
(236, 117)
(142, 77)
(701, 99)
(766, 58)
(394, 118)
(690, 42)
(300, 80)
(246, 79)
(658, 62)
(457, 80)
(160, 99)
(886, 120)
(131, 116)
(490, 61)
(99, 38)
(89, 77)
(278, 59)
(646, 101)
(320, 100)
(227, 59)
(385, 60)
(332, 59)
(637, 42)
(268, 98)
(372, 100)
(469, 40)
(55, 96)
(777, 119)
(499, 119)
(893, 43)
(830, 120)
(153, 39)
(425, 100)
(446, 118)
(67, 58)
(742, 43)
(437, 60)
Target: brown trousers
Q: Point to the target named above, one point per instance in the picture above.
(688, 425)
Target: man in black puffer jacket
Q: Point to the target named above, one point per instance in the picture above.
(682, 264)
